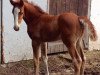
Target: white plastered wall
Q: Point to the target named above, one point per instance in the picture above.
(95, 18)
(17, 45)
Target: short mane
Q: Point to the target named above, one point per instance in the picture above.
(39, 9)
(36, 6)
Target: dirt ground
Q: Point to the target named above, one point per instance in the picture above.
(60, 64)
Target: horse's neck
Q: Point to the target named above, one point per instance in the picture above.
(31, 15)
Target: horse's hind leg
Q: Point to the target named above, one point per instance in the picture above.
(36, 51)
(77, 61)
(80, 50)
(45, 57)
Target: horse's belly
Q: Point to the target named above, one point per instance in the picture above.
(50, 38)
(44, 37)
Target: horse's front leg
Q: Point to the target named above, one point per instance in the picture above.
(44, 56)
(36, 52)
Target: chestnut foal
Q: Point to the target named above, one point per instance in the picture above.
(42, 27)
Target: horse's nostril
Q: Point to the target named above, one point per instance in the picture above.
(16, 28)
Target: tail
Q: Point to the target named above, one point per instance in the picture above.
(92, 32)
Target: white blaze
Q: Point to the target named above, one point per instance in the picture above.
(16, 11)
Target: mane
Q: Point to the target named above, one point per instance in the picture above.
(36, 6)
(39, 9)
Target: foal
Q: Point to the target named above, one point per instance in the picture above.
(42, 27)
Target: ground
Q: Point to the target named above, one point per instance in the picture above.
(60, 64)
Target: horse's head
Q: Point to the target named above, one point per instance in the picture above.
(18, 12)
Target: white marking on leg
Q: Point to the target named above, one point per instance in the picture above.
(45, 60)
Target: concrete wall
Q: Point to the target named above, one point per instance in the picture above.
(95, 18)
(17, 45)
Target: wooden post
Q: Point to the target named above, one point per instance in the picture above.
(1, 32)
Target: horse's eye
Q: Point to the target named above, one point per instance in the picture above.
(20, 13)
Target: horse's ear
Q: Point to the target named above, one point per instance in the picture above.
(21, 3)
(17, 2)
(12, 2)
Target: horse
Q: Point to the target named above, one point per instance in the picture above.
(43, 27)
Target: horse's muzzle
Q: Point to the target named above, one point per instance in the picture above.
(16, 28)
